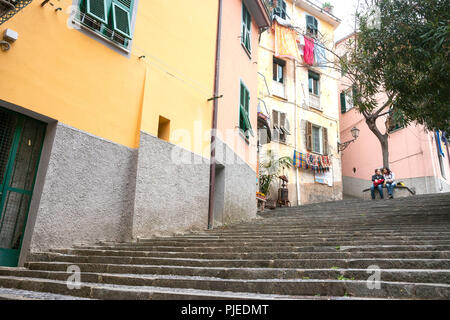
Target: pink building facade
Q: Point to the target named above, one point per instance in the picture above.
(419, 158)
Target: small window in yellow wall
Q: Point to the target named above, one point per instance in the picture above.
(164, 129)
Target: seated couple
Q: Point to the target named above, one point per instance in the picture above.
(386, 179)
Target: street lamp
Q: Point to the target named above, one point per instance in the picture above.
(355, 134)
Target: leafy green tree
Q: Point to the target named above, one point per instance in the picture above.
(400, 53)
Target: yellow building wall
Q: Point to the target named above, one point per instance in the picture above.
(64, 74)
(296, 96)
(180, 60)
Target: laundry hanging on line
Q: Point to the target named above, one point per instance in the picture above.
(317, 163)
(320, 55)
(308, 56)
(286, 42)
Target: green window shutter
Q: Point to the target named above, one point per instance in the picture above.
(283, 9)
(312, 25)
(246, 28)
(244, 107)
(122, 11)
(98, 9)
(343, 103)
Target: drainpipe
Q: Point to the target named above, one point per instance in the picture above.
(297, 178)
(212, 167)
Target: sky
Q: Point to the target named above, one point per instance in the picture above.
(344, 10)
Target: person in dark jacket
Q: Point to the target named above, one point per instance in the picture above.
(377, 183)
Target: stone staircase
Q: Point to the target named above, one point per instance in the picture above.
(319, 251)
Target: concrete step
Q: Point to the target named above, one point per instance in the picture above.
(272, 263)
(15, 294)
(125, 292)
(112, 286)
(169, 272)
(248, 255)
(281, 248)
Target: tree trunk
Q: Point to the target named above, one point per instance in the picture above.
(383, 138)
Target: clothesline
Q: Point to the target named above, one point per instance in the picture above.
(317, 163)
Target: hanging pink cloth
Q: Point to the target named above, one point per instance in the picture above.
(308, 56)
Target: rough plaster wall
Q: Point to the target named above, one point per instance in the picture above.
(171, 196)
(316, 192)
(240, 186)
(88, 192)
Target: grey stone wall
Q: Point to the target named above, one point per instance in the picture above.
(239, 193)
(421, 185)
(172, 189)
(88, 192)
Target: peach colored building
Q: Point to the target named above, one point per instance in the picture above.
(236, 144)
(419, 158)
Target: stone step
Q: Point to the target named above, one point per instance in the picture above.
(15, 294)
(268, 237)
(168, 272)
(125, 287)
(281, 248)
(267, 244)
(125, 292)
(406, 275)
(248, 255)
(272, 235)
(267, 263)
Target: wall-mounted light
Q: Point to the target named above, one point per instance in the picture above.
(355, 134)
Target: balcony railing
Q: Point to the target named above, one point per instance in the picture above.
(314, 102)
(8, 8)
(101, 29)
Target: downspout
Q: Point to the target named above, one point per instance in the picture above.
(297, 178)
(212, 167)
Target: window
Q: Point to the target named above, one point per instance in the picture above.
(347, 100)
(316, 139)
(394, 123)
(110, 19)
(314, 83)
(279, 67)
(281, 126)
(244, 110)
(280, 10)
(164, 129)
(246, 37)
(312, 26)
(278, 70)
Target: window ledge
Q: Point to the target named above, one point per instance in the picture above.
(101, 36)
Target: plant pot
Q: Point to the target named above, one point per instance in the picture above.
(271, 204)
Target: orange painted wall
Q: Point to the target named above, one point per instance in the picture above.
(76, 79)
(66, 75)
(236, 65)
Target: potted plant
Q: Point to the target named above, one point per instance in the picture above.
(269, 170)
(327, 6)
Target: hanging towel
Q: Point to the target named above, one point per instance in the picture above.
(320, 54)
(309, 51)
(286, 42)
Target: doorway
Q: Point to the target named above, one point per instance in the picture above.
(219, 195)
(21, 141)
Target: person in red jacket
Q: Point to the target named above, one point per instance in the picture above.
(378, 181)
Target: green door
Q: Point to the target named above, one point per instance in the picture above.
(21, 140)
